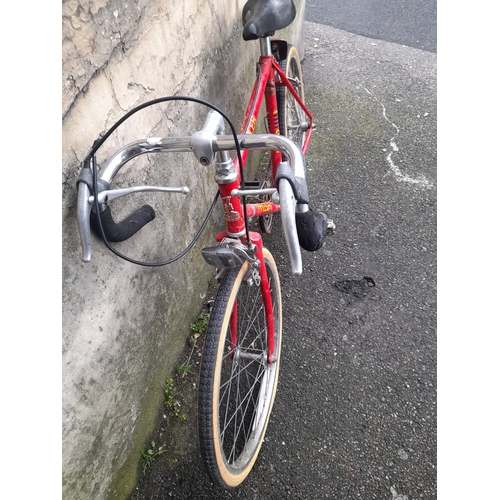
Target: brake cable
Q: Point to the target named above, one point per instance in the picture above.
(99, 142)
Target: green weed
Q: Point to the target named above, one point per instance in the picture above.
(149, 456)
(171, 401)
(201, 323)
(184, 369)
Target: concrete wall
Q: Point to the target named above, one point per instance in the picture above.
(124, 326)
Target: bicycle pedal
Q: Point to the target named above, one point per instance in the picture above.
(225, 255)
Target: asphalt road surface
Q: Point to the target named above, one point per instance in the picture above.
(355, 412)
(412, 23)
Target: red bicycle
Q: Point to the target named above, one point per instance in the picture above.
(241, 357)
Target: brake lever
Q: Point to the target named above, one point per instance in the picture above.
(86, 200)
(113, 194)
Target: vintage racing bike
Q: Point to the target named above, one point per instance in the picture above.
(241, 356)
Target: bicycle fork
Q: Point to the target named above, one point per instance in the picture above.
(256, 274)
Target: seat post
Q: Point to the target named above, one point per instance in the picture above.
(265, 46)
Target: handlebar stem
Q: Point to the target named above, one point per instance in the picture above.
(202, 141)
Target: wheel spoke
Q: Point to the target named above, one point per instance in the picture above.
(242, 411)
(242, 402)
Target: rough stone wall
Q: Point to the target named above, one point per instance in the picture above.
(124, 326)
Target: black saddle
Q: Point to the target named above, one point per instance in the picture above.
(264, 17)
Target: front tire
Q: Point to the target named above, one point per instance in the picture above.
(237, 385)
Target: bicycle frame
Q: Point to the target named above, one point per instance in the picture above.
(269, 76)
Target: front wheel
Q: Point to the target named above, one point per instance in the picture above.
(237, 384)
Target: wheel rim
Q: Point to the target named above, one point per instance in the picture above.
(295, 116)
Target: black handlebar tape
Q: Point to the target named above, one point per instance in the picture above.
(311, 230)
(126, 228)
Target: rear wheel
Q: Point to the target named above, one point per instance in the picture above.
(237, 384)
(292, 118)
